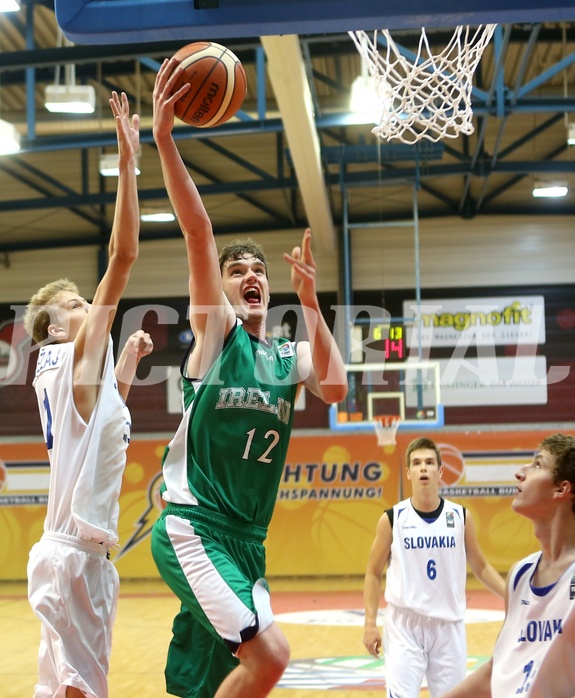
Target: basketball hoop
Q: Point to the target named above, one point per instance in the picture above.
(386, 427)
(424, 95)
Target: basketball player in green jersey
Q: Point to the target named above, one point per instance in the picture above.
(223, 466)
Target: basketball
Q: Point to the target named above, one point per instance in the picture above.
(218, 84)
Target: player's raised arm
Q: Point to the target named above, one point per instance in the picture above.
(124, 238)
(321, 364)
(205, 286)
(93, 336)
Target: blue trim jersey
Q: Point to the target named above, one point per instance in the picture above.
(427, 569)
(87, 460)
(229, 450)
(534, 656)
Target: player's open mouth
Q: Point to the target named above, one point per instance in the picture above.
(252, 296)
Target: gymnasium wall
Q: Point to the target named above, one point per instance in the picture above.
(335, 485)
(334, 489)
(536, 257)
(484, 251)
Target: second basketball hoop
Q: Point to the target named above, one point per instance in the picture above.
(386, 427)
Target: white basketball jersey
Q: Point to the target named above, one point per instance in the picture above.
(534, 656)
(86, 460)
(427, 569)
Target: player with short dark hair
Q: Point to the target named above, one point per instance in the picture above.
(223, 467)
(426, 542)
(238, 249)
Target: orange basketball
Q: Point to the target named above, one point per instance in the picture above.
(218, 84)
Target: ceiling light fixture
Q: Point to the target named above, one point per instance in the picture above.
(9, 6)
(550, 190)
(70, 99)
(157, 216)
(365, 98)
(9, 138)
(363, 94)
(109, 164)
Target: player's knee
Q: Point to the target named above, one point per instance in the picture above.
(277, 648)
(281, 655)
(268, 653)
(276, 663)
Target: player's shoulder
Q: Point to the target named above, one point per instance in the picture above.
(522, 570)
(398, 510)
(385, 522)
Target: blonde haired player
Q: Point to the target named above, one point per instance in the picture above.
(72, 584)
(426, 542)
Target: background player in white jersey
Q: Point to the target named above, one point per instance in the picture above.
(426, 542)
(72, 584)
(534, 656)
(223, 467)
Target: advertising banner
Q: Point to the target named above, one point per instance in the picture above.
(451, 322)
(334, 488)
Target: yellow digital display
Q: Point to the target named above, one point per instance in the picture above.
(393, 345)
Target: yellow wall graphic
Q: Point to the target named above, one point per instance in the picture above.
(335, 487)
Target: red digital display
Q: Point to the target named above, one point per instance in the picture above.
(393, 345)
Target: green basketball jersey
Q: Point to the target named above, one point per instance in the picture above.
(229, 451)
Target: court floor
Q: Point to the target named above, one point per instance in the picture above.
(321, 618)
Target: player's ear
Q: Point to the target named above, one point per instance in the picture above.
(56, 333)
(565, 488)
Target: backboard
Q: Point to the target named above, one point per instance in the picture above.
(122, 21)
(410, 389)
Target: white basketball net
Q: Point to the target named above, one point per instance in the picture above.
(386, 428)
(428, 96)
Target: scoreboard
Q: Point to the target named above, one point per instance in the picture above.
(393, 345)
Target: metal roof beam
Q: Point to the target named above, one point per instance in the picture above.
(287, 74)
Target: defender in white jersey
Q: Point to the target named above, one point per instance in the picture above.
(426, 542)
(534, 656)
(72, 584)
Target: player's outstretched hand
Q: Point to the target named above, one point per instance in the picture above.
(164, 97)
(303, 270)
(128, 131)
